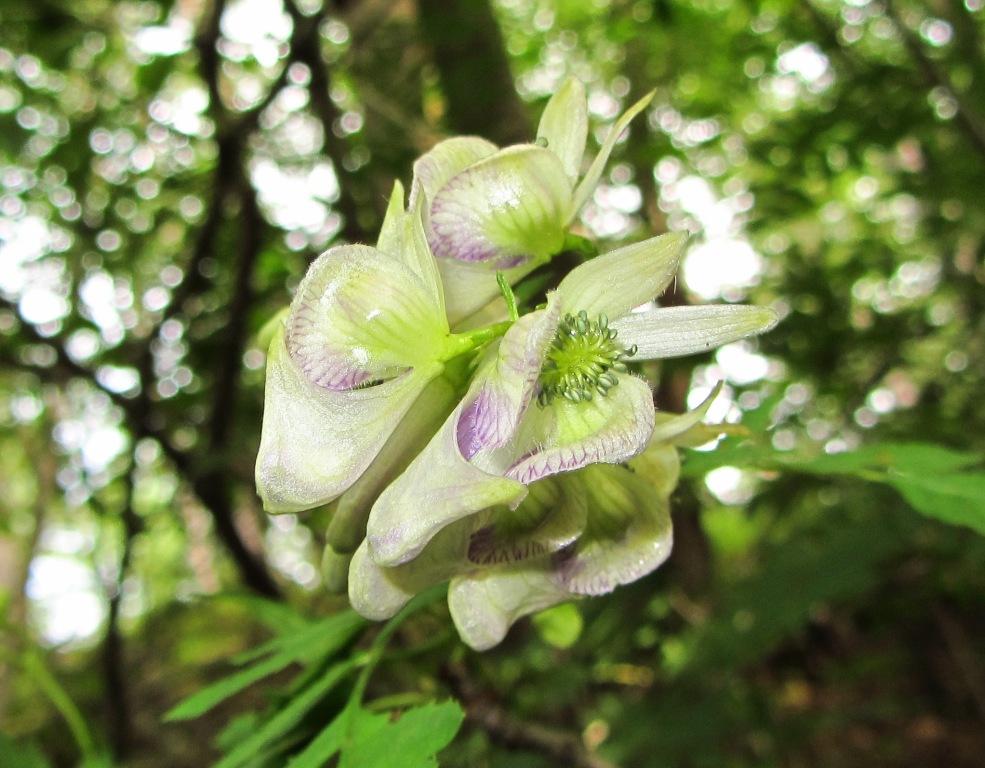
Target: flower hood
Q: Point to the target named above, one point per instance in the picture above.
(509, 209)
(365, 334)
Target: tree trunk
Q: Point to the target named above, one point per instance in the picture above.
(467, 47)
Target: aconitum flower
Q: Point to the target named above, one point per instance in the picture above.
(575, 534)
(553, 396)
(364, 337)
(627, 535)
(509, 209)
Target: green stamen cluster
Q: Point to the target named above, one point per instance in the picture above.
(583, 360)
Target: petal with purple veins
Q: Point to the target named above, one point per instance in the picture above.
(503, 211)
(564, 436)
(628, 535)
(447, 158)
(361, 316)
(551, 517)
(315, 442)
(504, 383)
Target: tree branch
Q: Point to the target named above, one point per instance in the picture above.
(17, 552)
(967, 118)
(213, 485)
(206, 485)
(468, 52)
(64, 364)
(307, 49)
(208, 56)
(513, 733)
(114, 663)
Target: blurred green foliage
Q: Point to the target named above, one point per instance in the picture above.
(168, 170)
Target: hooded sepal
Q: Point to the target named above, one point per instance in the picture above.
(485, 604)
(443, 161)
(377, 592)
(315, 442)
(505, 210)
(361, 316)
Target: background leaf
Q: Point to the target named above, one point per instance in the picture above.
(413, 739)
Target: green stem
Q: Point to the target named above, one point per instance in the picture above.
(460, 343)
(375, 653)
(437, 641)
(508, 296)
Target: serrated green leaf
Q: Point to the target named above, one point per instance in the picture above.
(877, 457)
(277, 617)
(324, 746)
(731, 452)
(341, 731)
(310, 642)
(416, 737)
(237, 729)
(202, 701)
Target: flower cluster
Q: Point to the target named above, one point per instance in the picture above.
(518, 457)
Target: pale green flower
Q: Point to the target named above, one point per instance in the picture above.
(552, 396)
(576, 534)
(628, 534)
(364, 339)
(509, 209)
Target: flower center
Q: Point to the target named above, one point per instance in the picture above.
(582, 360)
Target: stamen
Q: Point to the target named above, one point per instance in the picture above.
(582, 360)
